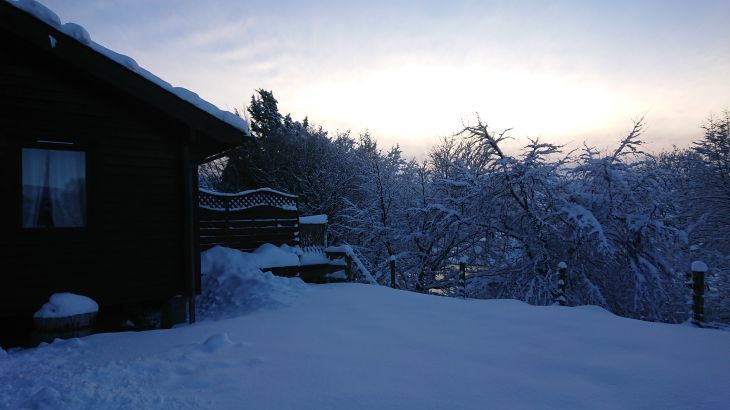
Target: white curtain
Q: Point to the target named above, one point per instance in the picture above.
(66, 177)
(56, 177)
(34, 181)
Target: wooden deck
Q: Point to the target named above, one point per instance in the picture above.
(249, 219)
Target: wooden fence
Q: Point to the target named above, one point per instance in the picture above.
(248, 219)
(313, 230)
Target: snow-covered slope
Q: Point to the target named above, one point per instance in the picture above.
(352, 346)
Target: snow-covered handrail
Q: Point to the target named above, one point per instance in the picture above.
(347, 250)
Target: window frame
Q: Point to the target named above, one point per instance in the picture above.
(58, 144)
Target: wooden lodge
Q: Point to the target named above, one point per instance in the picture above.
(98, 172)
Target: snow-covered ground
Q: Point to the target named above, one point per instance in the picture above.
(353, 346)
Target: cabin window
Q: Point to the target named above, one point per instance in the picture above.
(54, 188)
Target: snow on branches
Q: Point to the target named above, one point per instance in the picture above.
(625, 222)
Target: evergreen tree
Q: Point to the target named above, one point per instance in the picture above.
(266, 121)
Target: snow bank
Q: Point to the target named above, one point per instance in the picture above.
(233, 284)
(45, 398)
(66, 304)
(313, 256)
(272, 256)
(216, 342)
(348, 346)
(80, 34)
(339, 275)
(264, 257)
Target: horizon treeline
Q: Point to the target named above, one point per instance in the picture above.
(627, 223)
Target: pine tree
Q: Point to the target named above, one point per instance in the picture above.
(266, 121)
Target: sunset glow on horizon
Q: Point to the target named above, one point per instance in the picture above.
(411, 72)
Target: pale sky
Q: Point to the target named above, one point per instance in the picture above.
(410, 72)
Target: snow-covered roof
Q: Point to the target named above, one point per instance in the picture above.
(80, 34)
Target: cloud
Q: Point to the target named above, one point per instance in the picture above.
(411, 71)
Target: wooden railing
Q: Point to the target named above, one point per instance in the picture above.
(346, 257)
(313, 230)
(246, 220)
(249, 219)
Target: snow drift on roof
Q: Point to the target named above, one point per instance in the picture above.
(80, 34)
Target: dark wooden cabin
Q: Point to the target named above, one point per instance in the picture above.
(98, 174)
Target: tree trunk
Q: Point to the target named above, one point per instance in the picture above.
(392, 273)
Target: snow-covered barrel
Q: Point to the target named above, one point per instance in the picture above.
(66, 311)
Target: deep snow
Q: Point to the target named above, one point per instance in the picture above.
(234, 285)
(353, 346)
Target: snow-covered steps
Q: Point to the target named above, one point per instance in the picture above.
(311, 264)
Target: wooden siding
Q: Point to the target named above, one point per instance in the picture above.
(133, 247)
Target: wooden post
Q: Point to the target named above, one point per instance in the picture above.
(297, 225)
(348, 268)
(226, 216)
(698, 292)
(190, 202)
(462, 278)
(391, 263)
(562, 279)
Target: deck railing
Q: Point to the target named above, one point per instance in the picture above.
(248, 219)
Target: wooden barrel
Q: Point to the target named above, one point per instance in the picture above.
(59, 324)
